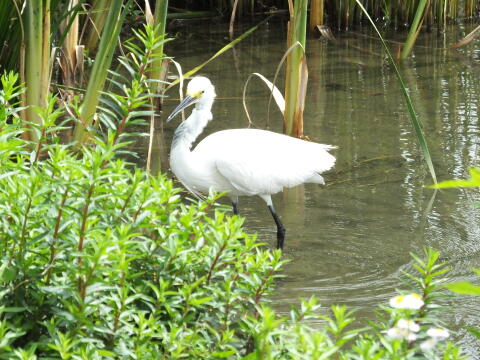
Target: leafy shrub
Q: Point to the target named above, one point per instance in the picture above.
(99, 260)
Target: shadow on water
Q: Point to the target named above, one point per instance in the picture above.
(350, 240)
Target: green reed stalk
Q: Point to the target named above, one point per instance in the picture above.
(415, 28)
(296, 78)
(37, 60)
(160, 21)
(103, 60)
(159, 69)
(413, 116)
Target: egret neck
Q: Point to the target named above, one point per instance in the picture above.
(182, 160)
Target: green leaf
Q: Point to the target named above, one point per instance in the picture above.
(223, 354)
(464, 287)
(474, 181)
(475, 332)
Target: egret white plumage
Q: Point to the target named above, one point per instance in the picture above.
(242, 162)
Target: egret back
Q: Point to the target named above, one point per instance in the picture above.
(256, 162)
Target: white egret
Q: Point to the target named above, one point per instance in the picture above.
(242, 162)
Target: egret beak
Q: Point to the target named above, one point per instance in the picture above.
(187, 101)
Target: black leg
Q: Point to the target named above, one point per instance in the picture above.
(280, 228)
(235, 207)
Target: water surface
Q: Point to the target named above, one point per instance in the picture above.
(349, 241)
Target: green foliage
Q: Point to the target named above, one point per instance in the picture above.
(464, 287)
(407, 329)
(99, 261)
(474, 181)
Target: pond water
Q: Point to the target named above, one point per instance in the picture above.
(349, 241)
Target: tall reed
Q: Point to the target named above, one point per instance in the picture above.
(160, 22)
(101, 65)
(346, 13)
(316, 14)
(420, 13)
(296, 72)
(37, 61)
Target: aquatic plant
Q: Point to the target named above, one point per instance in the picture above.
(417, 126)
(98, 76)
(420, 12)
(317, 15)
(342, 14)
(36, 52)
(296, 76)
(37, 59)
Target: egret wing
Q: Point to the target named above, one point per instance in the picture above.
(263, 162)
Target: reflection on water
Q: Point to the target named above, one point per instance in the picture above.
(349, 240)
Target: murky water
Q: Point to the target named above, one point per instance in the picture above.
(349, 240)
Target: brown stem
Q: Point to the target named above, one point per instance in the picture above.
(119, 311)
(24, 225)
(258, 293)
(39, 146)
(215, 261)
(55, 235)
(81, 282)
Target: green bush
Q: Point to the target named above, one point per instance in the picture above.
(99, 260)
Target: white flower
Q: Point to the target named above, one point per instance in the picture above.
(408, 325)
(438, 333)
(428, 345)
(398, 333)
(409, 302)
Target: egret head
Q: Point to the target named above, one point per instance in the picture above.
(199, 91)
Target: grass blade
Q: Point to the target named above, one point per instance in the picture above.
(220, 52)
(413, 116)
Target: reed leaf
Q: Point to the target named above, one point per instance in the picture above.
(98, 17)
(227, 47)
(274, 92)
(413, 116)
(12, 35)
(101, 65)
(474, 181)
(467, 39)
